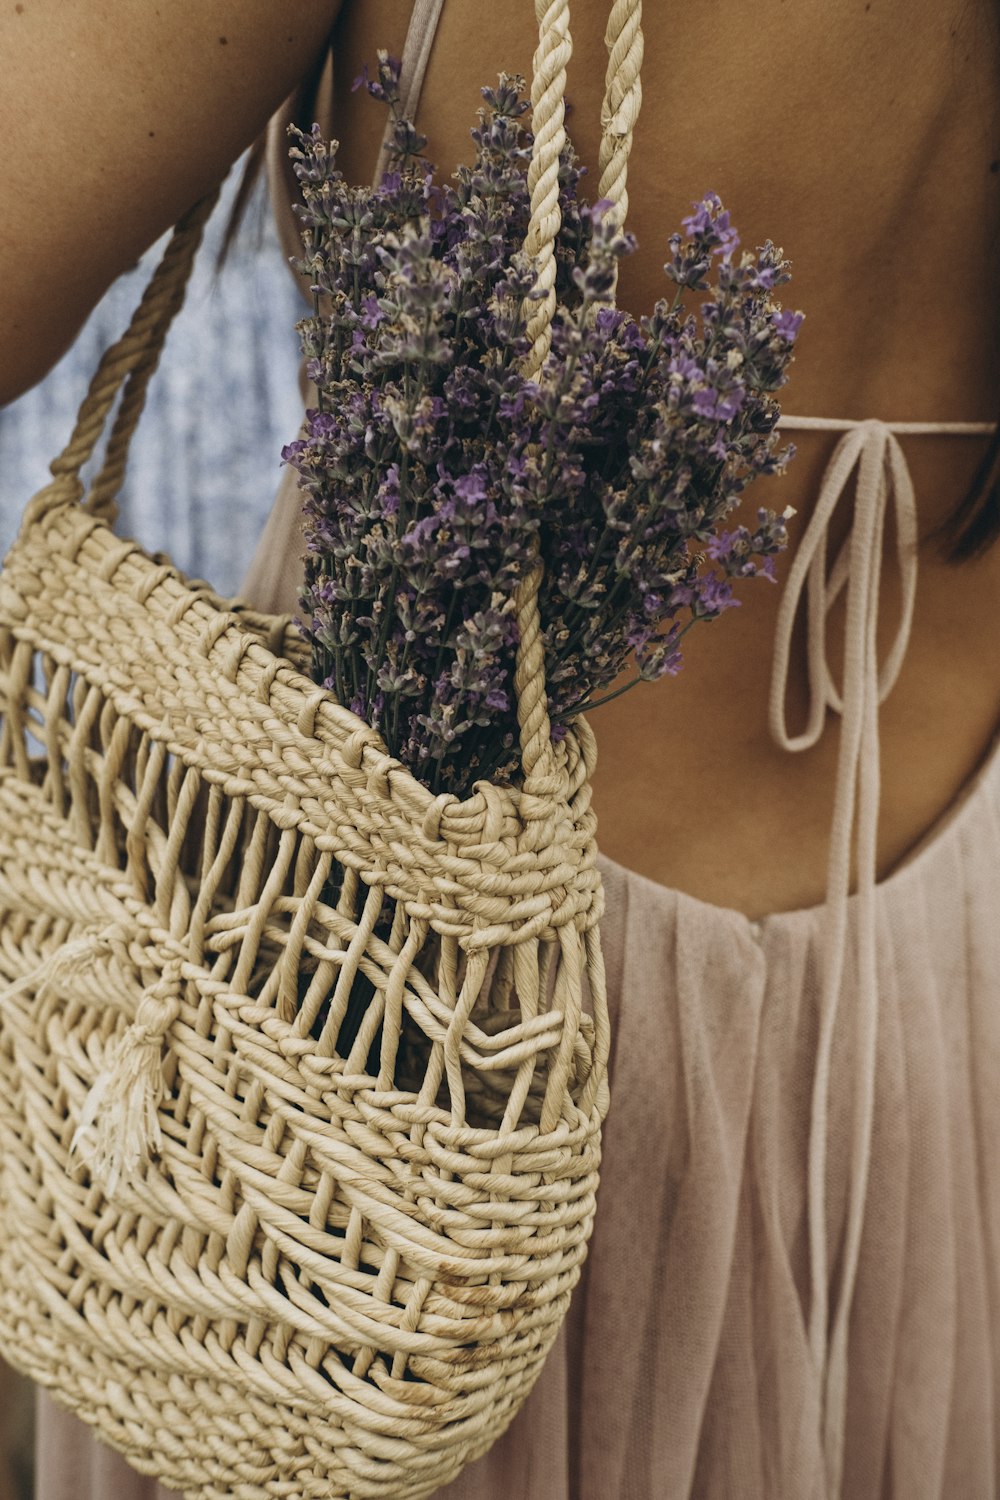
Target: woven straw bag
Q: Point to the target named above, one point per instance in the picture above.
(264, 1270)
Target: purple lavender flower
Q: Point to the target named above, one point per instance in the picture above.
(787, 324)
(385, 84)
(433, 470)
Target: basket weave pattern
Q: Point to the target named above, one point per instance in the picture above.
(339, 1268)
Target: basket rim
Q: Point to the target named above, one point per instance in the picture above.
(259, 628)
(160, 614)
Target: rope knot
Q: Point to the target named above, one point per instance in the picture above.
(119, 1126)
(160, 1006)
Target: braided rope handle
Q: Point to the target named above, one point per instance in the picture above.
(622, 102)
(619, 112)
(128, 363)
(548, 122)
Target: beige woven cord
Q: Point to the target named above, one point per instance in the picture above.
(261, 1254)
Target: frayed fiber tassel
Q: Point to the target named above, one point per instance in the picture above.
(70, 959)
(119, 1126)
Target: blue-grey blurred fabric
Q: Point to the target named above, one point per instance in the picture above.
(205, 461)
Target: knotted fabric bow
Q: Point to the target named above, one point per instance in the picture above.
(871, 449)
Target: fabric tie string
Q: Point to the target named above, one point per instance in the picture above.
(871, 449)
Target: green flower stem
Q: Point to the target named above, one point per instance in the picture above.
(584, 705)
(446, 632)
(403, 519)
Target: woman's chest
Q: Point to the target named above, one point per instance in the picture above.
(692, 790)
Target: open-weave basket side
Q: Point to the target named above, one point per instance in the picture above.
(337, 1265)
(340, 1230)
(231, 716)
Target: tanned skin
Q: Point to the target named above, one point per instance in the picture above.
(862, 137)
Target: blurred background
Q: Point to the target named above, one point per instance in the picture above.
(205, 460)
(203, 471)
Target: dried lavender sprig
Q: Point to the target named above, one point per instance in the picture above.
(432, 467)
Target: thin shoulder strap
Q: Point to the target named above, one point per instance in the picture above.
(416, 55)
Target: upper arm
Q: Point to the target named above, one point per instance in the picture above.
(115, 116)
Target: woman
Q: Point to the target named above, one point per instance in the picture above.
(787, 1294)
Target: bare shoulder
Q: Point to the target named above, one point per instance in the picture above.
(116, 115)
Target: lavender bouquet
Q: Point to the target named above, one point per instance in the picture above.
(435, 471)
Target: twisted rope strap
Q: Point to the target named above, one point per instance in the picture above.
(543, 782)
(130, 363)
(620, 110)
(622, 102)
(548, 122)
